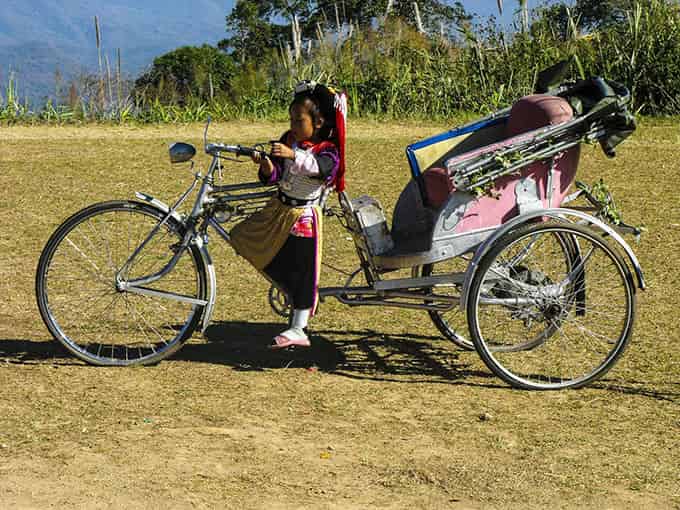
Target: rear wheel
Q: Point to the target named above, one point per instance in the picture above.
(573, 316)
(83, 307)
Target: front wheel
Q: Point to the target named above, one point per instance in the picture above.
(572, 314)
(84, 308)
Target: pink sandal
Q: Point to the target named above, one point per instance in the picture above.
(283, 342)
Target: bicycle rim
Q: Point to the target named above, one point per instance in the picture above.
(77, 294)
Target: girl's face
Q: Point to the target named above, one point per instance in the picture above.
(301, 123)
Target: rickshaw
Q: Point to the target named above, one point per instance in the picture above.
(486, 230)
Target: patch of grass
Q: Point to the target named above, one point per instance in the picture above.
(391, 420)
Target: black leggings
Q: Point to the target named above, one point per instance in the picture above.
(293, 269)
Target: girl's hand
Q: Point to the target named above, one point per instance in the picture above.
(266, 165)
(256, 157)
(282, 151)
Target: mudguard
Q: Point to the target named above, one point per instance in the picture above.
(207, 261)
(557, 213)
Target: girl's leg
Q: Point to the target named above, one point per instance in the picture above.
(294, 270)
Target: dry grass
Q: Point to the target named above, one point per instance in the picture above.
(392, 417)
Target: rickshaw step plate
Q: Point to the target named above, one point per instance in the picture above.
(426, 281)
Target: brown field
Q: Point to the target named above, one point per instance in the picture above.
(381, 413)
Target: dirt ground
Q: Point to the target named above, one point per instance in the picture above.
(382, 412)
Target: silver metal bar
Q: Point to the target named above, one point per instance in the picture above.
(218, 228)
(507, 301)
(167, 295)
(240, 186)
(164, 270)
(427, 297)
(368, 291)
(336, 291)
(549, 183)
(188, 236)
(425, 281)
(393, 304)
(179, 202)
(246, 196)
(206, 188)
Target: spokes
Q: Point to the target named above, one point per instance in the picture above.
(450, 323)
(90, 314)
(553, 307)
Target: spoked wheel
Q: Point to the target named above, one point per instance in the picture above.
(450, 323)
(81, 303)
(551, 306)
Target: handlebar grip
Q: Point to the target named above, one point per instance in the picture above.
(246, 151)
(239, 150)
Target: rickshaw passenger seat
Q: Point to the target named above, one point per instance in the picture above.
(528, 113)
(419, 223)
(537, 111)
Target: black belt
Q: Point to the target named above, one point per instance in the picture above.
(296, 202)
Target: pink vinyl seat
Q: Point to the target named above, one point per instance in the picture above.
(527, 114)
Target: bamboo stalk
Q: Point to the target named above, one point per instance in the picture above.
(524, 7)
(419, 21)
(572, 24)
(119, 84)
(108, 79)
(297, 38)
(100, 91)
(57, 84)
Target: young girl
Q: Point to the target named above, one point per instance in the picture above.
(283, 240)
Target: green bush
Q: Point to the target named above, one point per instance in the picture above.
(389, 69)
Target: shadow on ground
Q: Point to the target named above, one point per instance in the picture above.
(23, 352)
(363, 354)
(358, 354)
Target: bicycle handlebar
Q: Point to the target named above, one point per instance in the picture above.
(239, 150)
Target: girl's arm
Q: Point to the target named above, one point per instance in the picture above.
(321, 165)
(270, 171)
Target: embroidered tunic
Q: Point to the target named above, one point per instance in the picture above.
(284, 239)
(305, 178)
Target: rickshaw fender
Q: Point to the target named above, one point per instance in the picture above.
(207, 260)
(557, 213)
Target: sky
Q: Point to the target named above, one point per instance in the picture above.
(490, 7)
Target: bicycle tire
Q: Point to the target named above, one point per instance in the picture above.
(77, 294)
(574, 353)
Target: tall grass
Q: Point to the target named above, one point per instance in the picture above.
(392, 70)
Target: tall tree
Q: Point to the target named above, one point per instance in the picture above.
(433, 14)
(260, 25)
(254, 30)
(187, 72)
(595, 14)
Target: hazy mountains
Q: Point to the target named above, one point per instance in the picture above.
(39, 37)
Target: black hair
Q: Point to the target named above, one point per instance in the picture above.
(321, 111)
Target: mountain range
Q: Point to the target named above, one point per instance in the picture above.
(39, 38)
